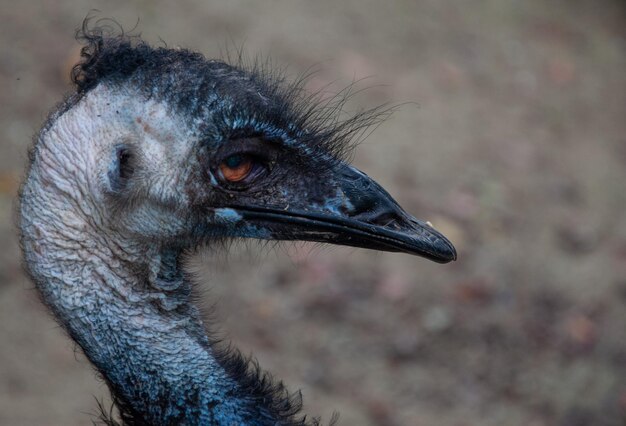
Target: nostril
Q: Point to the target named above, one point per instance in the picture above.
(384, 219)
(388, 219)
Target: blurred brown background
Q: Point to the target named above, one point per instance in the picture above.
(513, 144)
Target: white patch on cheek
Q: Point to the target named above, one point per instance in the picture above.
(227, 216)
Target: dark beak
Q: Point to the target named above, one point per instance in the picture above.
(360, 214)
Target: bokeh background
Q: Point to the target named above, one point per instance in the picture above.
(512, 141)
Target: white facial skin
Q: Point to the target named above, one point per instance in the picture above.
(85, 254)
(72, 160)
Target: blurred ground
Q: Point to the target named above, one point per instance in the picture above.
(514, 145)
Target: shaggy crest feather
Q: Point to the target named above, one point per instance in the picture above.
(184, 79)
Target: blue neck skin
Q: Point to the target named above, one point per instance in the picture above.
(152, 349)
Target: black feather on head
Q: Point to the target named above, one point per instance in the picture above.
(245, 97)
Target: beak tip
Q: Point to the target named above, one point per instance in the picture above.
(447, 252)
(453, 257)
(440, 248)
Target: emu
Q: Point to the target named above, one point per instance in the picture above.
(158, 152)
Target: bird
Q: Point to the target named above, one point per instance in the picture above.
(156, 153)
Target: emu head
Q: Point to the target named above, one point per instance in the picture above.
(164, 147)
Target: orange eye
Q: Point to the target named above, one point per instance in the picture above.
(236, 167)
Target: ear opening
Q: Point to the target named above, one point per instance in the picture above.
(121, 168)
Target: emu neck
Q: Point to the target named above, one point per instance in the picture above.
(125, 304)
(140, 331)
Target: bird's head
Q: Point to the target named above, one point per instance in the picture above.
(185, 150)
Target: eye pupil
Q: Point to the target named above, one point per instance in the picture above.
(234, 161)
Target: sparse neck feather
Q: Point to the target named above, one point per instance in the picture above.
(128, 306)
